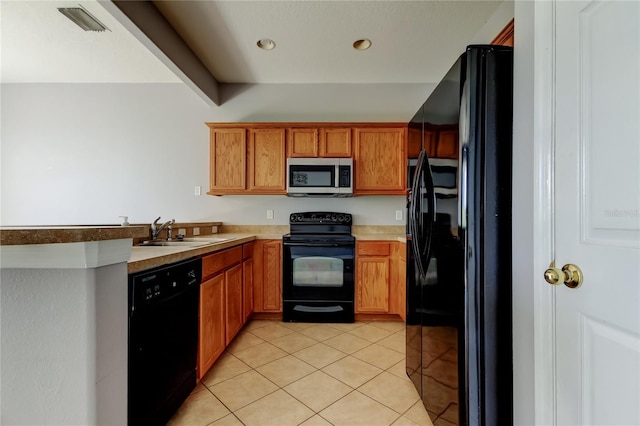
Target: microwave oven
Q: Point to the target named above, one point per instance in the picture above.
(319, 177)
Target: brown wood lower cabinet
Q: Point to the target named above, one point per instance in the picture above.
(247, 280)
(212, 323)
(267, 276)
(380, 278)
(373, 268)
(226, 301)
(398, 285)
(233, 297)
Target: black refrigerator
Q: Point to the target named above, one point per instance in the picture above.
(459, 333)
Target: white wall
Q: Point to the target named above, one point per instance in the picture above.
(88, 153)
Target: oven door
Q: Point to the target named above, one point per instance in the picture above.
(318, 271)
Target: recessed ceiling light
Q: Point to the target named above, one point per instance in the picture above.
(82, 18)
(362, 44)
(266, 44)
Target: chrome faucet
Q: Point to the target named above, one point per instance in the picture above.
(155, 230)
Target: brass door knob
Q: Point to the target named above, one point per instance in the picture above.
(570, 275)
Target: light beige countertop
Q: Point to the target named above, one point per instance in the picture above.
(149, 257)
(379, 233)
(68, 234)
(380, 237)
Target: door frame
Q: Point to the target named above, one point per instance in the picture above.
(543, 213)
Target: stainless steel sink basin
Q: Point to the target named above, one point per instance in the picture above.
(173, 243)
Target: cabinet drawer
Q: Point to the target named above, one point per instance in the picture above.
(247, 250)
(374, 248)
(214, 263)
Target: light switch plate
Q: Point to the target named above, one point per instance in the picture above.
(398, 214)
(269, 214)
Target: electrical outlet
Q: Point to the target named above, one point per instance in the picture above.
(196, 231)
(197, 190)
(269, 214)
(398, 214)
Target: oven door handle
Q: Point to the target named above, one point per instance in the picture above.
(318, 244)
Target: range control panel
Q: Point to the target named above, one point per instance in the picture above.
(326, 218)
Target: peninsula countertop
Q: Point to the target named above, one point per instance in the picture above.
(26, 235)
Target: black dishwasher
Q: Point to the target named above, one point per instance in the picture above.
(163, 340)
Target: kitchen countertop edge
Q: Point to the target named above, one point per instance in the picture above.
(27, 235)
(143, 258)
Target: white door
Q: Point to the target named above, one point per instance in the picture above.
(597, 211)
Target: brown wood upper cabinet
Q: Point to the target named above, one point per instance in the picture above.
(440, 141)
(319, 142)
(505, 37)
(250, 158)
(267, 161)
(380, 160)
(228, 161)
(246, 161)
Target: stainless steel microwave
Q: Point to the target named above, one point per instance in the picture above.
(319, 177)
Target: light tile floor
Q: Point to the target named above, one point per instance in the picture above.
(277, 373)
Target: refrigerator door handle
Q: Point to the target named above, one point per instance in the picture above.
(413, 214)
(430, 195)
(463, 169)
(464, 186)
(421, 232)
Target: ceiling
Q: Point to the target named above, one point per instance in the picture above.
(412, 41)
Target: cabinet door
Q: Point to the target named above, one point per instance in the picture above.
(267, 161)
(272, 273)
(398, 285)
(380, 161)
(233, 297)
(335, 143)
(247, 295)
(267, 276)
(212, 329)
(228, 161)
(372, 284)
(431, 142)
(447, 144)
(414, 142)
(302, 142)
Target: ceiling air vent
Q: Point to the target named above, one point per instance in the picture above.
(82, 18)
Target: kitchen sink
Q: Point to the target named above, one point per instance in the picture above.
(173, 243)
(208, 240)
